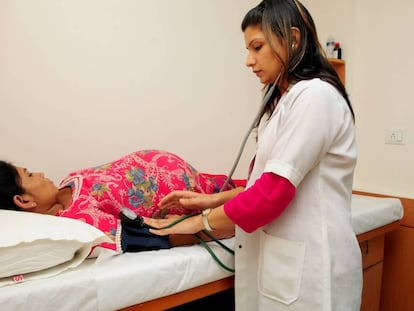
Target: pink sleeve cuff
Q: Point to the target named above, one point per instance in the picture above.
(261, 203)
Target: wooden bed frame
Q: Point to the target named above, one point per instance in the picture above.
(371, 244)
(183, 297)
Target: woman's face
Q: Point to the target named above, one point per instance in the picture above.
(261, 58)
(40, 192)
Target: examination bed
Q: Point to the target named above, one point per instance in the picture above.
(158, 280)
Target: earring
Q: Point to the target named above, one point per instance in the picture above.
(293, 46)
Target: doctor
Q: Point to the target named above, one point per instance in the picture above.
(295, 245)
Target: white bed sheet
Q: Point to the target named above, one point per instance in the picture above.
(113, 282)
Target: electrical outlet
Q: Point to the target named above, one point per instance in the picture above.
(394, 137)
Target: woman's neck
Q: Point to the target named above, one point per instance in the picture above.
(64, 197)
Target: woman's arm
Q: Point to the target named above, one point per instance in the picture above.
(194, 200)
(258, 205)
(261, 203)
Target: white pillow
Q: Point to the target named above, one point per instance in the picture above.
(36, 245)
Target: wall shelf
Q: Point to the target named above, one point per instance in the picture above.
(339, 66)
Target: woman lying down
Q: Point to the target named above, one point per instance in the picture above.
(97, 195)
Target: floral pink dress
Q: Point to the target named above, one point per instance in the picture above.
(137, 181)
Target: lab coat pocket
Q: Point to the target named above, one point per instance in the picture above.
(280, 268)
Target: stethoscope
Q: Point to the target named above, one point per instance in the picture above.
(265, 99)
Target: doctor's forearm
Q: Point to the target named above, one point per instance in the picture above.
(223, 197)
(218, 219)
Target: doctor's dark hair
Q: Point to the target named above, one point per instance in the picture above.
(10, 185)
(306, 59)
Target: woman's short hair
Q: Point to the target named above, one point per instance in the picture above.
(10, 185)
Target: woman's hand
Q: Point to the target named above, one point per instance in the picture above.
(189, 200)
(198, 201)
(189, 225)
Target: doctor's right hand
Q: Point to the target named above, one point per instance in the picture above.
(189, 200)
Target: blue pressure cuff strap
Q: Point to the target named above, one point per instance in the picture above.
(136, 239)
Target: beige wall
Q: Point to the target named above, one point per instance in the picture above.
(377, 44)
(85, 81)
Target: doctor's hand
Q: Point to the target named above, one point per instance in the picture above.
(187, 226)
(190, 200)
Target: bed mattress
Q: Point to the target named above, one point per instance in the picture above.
(113, 282)
(369, 213)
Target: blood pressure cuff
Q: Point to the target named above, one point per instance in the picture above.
(136, 238)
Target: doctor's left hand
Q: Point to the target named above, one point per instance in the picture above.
(166, 226)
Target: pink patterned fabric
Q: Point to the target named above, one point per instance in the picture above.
(137, 181)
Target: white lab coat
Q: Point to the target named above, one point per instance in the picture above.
(308, 259)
